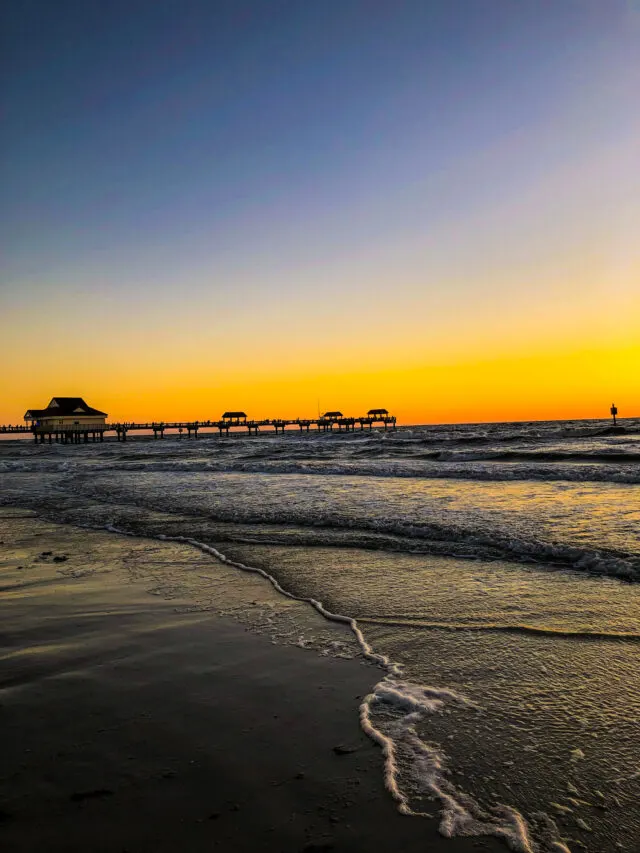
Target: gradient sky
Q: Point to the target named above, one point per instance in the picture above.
(428, 206)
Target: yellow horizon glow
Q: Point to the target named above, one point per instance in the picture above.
(565, 344)
(566, 385)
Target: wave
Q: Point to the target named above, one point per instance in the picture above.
(433, 537)
(600, 456)
(534, 630)
(289, 527)
(607, 468)
(526, 432)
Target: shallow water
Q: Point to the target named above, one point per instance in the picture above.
(497, 562)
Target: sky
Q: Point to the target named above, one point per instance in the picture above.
(282, 206)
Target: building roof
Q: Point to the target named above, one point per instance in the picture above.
(62, 407)
(234, 415)
(377, 412)
(332, 415)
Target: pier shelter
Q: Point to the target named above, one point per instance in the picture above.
(235, 418)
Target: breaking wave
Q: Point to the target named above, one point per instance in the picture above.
(287, 525)
(577, 468)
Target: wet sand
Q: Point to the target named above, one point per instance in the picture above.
(130, 724)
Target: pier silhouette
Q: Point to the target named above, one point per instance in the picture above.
(236, 421)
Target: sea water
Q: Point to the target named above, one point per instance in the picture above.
(490, 570)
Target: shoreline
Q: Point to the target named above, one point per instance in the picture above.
(131, 723)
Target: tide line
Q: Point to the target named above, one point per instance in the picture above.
(460, 814)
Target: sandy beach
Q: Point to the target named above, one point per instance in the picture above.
(131, 724)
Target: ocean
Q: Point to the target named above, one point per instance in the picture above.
(490, 570)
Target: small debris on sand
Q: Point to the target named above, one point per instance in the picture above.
(340, 749)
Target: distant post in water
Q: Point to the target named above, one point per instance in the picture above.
(614, 412)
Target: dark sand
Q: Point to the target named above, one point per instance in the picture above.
(128, 724)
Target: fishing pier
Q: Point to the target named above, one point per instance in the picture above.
(70, 432)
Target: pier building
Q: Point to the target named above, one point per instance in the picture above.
(67, 418)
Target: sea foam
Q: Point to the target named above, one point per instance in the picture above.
(410, 703)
